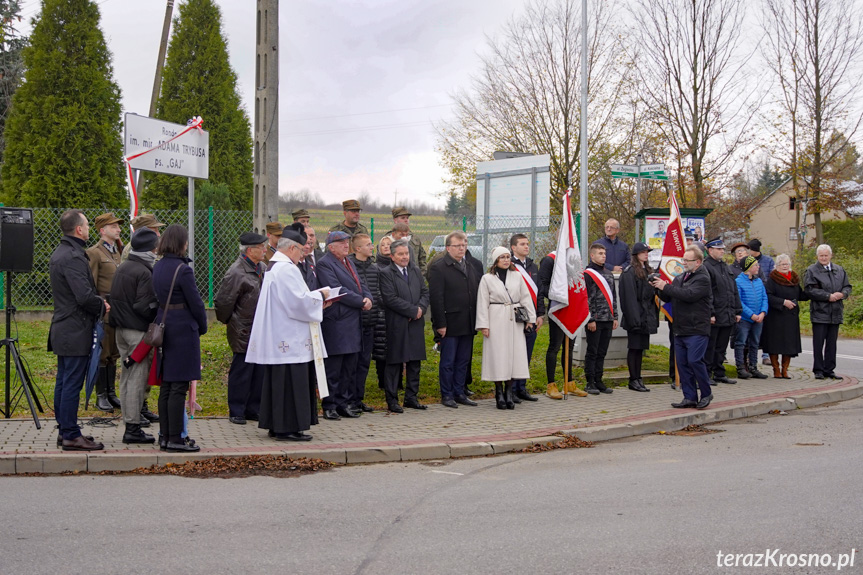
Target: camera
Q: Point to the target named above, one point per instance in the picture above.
(653, 277)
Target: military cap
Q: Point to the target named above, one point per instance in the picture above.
(349, 205)
(401, 211)
(715, 243)
(337, 237)
(106, 220)
(251, 239)
(146, 221)
(300, 213)
(274, 228)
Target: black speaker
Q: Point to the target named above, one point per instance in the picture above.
(16, 240)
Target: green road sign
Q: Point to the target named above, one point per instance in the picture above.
(654, 177)
(648, 170)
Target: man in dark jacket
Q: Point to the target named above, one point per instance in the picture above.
(453, 285)
(519, 245)
(726, 310)
(308, 265)
(235, 306)
(692, 302)
(77, 306)
(342, 326)
(373, 319)
(602, 304)
(406, 298)
(827, 286)
(616, 250)
(134, 308)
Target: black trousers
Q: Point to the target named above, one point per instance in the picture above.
(172, 404)
(824, 336)
(244, 387)
(672, 372)
(597, 347)
(340, 371)
(393, 379)
(555, 342)
(364, 362)
(714, 358)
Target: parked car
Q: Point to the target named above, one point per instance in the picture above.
(436, 246)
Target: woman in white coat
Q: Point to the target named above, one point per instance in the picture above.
(504, 351)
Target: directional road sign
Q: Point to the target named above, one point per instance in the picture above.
(624, 171)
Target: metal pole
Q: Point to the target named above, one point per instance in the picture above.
(192, 220)
(210, 213)
(486, 202)
(638, 199)
(8, 401)
(533, 206)
(464, 224)
(583, 202)
(372, 229)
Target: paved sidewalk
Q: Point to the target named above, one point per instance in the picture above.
(438, 432)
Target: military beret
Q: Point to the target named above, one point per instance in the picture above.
(252, 239)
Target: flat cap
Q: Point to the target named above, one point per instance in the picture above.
(144, 240)
(337, 237)
(348, 205)
(106, 220)
(300, 213)
(400, 211)
(274, 228)
(251, 239)
(146, 221)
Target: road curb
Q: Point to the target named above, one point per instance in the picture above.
(54, 463)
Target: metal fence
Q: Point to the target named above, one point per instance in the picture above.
(217, 236)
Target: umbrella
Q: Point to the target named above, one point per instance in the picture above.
(93, 369)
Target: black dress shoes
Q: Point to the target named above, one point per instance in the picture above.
(637, 385)
(704, 402)
(347, 412)
(449, 402)
(395, 408)
(515, 398)
(298, 436)
(149, 415)
(685, 404)
(236, 419)
(134, 434)
(363, 407)
(724, 379)
(605, 390)
(468, 392)
(253, 417)
(81, 443)
(415, 405)
(184, 447)
(832, 375)
(463, 400)
(591, 390)
(523, 394)
(144, 422)
(819, 376)
(331, 414)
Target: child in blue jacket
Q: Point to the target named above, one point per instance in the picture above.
(753, 298)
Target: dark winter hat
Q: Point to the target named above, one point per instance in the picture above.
(144, 240)
(640, 247)
(749, 262)
(252, 239)
(715, 243)
(296, 232)
(755, 245)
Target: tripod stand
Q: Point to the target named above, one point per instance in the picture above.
(11, 345)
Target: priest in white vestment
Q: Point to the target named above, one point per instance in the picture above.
(285, 335)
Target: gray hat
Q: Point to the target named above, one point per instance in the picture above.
(144, 240)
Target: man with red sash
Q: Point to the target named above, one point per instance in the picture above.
(519, 245)
(602, 304)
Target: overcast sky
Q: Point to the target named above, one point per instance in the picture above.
(348, 69)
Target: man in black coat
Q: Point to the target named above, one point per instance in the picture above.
(134, 308)
(308, 264)
(363, 260)
(235, 306)
(77, 306)
(692, 302)
(406, 298)
(519, 245)
(726, 310)
(453, 285)
(827, 286)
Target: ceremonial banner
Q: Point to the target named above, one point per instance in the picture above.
(673, 247)
(567, 291)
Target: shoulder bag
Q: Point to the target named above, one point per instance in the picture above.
(156, 331)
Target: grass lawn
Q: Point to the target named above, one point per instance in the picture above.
(212, 389)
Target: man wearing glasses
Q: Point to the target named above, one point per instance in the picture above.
(692, 301)
(453, 285)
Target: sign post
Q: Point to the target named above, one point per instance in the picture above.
(640, 172)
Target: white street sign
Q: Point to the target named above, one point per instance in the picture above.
(188, 155)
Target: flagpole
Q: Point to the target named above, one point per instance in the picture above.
(583, 198)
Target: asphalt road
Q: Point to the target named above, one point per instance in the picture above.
(655, 504)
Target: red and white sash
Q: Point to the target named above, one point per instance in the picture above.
(603, 286)
(531, 285)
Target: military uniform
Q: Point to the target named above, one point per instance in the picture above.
(418, 254)
(274, 229)
(104, 261)
(142, 221)
(350, 206)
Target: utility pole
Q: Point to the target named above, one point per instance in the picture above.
(266, 176)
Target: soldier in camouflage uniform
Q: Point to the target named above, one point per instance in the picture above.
(301, 215)
(351, 224)
(401, 215)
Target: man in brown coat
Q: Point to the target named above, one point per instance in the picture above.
(104, 261)
(274, 232)
(140, 222)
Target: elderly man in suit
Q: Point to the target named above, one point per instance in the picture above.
(406, 299)
(342, 326)
(828, 287)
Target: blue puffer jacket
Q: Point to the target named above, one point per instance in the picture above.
(753, 296)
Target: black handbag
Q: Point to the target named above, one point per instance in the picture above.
(156, 331)
(519, 313)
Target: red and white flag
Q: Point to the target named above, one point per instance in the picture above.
(671, 264)
(567, 291)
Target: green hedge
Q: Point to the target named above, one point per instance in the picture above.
(848, 234)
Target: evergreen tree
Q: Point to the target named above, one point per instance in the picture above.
(198, 81)
(63, 142)
(11, 61)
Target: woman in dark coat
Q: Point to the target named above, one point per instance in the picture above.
(781, 332)
(181, 345)
(640, 314)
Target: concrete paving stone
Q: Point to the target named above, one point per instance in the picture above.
(7, 464)
(331, 455)
(426, 451)
(470, 449)
(97, 462)
(372, 455)
(51, 463)
(507, 445)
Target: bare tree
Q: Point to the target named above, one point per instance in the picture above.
(693, 81)
(526, 96)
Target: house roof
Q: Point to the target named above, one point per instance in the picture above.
(848, 186)
(768, 196)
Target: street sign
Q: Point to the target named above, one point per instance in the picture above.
(624, 171)
(159, 150)
(656, 177)
(652, 170)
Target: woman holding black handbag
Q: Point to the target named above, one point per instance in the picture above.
(185, 320)
(504, 310)
(640, 312)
